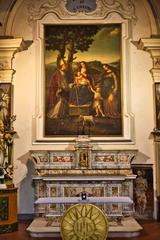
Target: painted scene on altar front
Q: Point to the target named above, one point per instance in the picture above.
(83, 80)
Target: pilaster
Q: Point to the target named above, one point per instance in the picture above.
(8, 48)
(152, 45)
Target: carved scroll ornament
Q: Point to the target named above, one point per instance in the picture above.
(37, 9)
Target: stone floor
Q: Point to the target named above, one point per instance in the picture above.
(151, 231)
(129, 227)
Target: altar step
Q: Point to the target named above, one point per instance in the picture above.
(128, 228)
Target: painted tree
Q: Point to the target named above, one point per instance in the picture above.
(68, 40)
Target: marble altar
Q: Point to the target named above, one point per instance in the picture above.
(105, 176)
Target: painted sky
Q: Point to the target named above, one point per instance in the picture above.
(105, 48)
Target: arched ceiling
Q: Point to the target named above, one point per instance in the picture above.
(155, 5)
(7, 5)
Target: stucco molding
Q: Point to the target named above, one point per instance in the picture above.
(6, 76)
(8, 48)
(38, 118)
(155, 74)
(38, 9)
(152, 46)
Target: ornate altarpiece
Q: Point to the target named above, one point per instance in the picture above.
(96, 165)
(66, 173)
(83, 169)
(55, 13)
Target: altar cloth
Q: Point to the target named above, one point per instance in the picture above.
(74, 200)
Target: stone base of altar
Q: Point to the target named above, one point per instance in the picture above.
(128, 228)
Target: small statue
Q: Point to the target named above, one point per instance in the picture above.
(83, 161)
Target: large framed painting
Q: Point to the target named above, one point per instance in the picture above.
(83, 80)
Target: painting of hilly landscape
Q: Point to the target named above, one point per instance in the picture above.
(83, 80)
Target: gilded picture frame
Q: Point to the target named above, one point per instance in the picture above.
(83, 83)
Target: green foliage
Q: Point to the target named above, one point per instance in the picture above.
(82, 36)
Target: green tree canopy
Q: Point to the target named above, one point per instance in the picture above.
(71, 38)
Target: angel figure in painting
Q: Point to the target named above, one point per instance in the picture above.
(98, 102)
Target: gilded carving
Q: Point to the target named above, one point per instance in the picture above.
(83, 161)
(84, 221)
